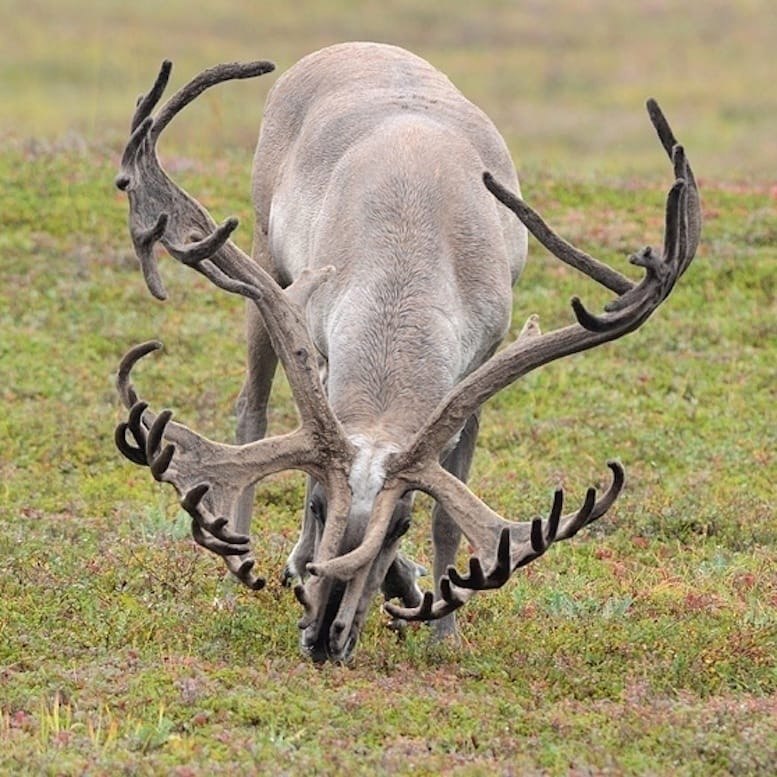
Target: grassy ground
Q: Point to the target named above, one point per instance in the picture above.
(645, 647)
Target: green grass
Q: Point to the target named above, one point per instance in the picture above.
(646, 646)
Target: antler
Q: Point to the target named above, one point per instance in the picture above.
(582, 261)
(142, 176)
(177, 455)
(209, 475)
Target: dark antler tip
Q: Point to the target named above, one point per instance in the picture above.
(581, 314)
(246, 567)
(161, 224)
(618, 474)
(493, 185)
(654, 111)
(301, 595)
(457, 579)
(150, 345)
(199, 491)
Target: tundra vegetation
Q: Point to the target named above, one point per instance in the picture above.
(646, 646)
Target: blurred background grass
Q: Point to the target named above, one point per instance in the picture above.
(564, 81)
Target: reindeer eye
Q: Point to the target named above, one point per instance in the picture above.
(317, 510)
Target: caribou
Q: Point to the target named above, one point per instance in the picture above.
(389, 233)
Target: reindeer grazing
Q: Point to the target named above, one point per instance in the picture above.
(381, 278)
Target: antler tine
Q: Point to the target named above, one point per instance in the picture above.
(674, 224)
(204, 80)
(198, 251)
(345, 566)
(607, 500)
(661, 125)
(135, 453)
(198, 254)
(128, 157)
(451, 599)
(147, 102)
(559, 247)
(123, 380)
(682, 169)
(242, 569)
(191, 502)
